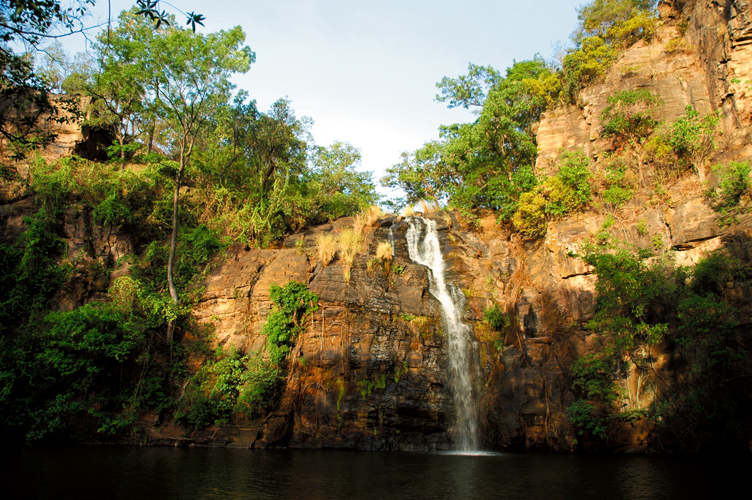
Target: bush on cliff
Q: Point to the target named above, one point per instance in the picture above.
(229, 384)
(644, 302)
(293, 303)
(553, 197)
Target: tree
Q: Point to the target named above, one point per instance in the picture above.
(341, 189)
(178, 76)
(118, 82)
(23, 91)
(191, 75)
(606, 27)
(628, 119)
(487, 163)
(600, 17)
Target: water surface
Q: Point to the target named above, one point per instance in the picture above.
(122, 472)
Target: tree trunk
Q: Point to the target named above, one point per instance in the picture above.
(185, 154)
(174, 243)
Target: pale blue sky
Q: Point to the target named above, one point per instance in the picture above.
(365, 72)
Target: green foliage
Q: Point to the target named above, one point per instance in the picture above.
(642, 227)
(293, 303)
(643, 302)
(52, 373)
(582, 414)
(485, 164)
(600, 17)
(733, 182)
(228, 385)
(618, 190)
(340, 190)
(31, 274)
(606, 27)
(496, 318)
(569, 190)
(692, 137)
(628, 115)
(587, 65)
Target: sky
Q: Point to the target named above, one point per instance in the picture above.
(366, 71)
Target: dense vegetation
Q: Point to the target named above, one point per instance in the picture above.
(644, 303)
(192, 167)
(490, 163)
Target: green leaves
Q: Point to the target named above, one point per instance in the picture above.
(228, 385)
(556, 196)
(477, 165)
(642, 303)
(293, 303)
(606, 27)
(628, 115)
(339, 189)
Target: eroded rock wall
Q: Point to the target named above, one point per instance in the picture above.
(370, 371)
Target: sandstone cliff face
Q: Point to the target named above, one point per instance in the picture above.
(370, 370)
(368, 375)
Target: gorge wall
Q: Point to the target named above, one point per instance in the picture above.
(370, 370)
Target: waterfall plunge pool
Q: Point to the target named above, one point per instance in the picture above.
(163, 473)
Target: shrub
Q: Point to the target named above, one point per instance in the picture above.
(587, 65)
(530, 216)
(606, 27)
(628, 115)
(601, 17)
(692, 138)
(496, 318)
(567, 191)
(570, 189)
(640, 25)
(618, 190)
(733, 182)
(227, 385)
(292, 305)
(678, 46)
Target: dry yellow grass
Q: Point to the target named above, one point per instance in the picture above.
(384, 251)
(408, 211)
(349, 243)
(366, 218)
(429, 207)
(326, 246)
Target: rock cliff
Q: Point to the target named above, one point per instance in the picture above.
(370, 370)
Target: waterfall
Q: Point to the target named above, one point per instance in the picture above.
(391, 237)
(424, 249)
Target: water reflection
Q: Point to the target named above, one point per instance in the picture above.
(167, 473)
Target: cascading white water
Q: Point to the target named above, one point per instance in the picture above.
(424, 249)
(391, 237)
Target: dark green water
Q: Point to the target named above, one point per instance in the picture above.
(119, 472)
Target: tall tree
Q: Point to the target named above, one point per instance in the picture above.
(488, 162)
(191, 74)
(182, 77)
